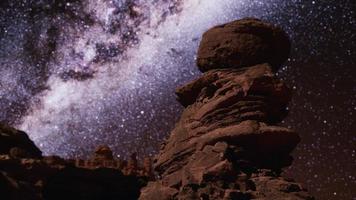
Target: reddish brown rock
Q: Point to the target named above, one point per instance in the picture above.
(53, 178)
(226, 135)
(156, 191)
(103, 152)
(226, 144)
(253, 87)
(103, 158)
(148, 169)
(235, 107)
(25, 175)
(243, 43)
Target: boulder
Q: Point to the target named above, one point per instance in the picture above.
(243, 43)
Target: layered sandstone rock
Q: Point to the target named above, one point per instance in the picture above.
(226, 144)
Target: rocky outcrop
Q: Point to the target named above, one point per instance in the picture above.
(17, 143)
(227, 144)
(25, 175)
(243, 43)
(103, 158)
(54, 178)
(103, 152)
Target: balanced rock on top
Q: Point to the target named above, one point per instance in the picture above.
(228, 144)
(243, 43)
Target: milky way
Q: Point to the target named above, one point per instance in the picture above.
(79, 73)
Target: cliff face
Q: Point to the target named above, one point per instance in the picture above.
(227, 144)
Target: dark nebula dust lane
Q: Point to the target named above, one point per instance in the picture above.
(79, 73)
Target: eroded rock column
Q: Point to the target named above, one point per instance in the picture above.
(227, 144)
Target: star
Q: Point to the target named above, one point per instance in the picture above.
(78, 74)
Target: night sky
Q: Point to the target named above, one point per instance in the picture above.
(78, 73)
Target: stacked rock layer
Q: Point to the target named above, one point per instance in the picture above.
(226, 144)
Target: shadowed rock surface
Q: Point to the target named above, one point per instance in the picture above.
(243, 43)
(74, 183)
(17, 143)
(27, 177)
(227, 144)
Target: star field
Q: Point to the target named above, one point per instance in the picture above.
(79, 73)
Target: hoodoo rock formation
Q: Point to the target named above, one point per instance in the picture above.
(227, 144)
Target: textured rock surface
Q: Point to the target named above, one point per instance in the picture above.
(54, 178)
(26, 175)
(226, 144)
(235, 108)
(243, 43)
(17, 143)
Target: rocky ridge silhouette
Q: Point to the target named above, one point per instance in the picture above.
(27, 175)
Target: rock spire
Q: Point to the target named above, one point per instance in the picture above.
(227, 144)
